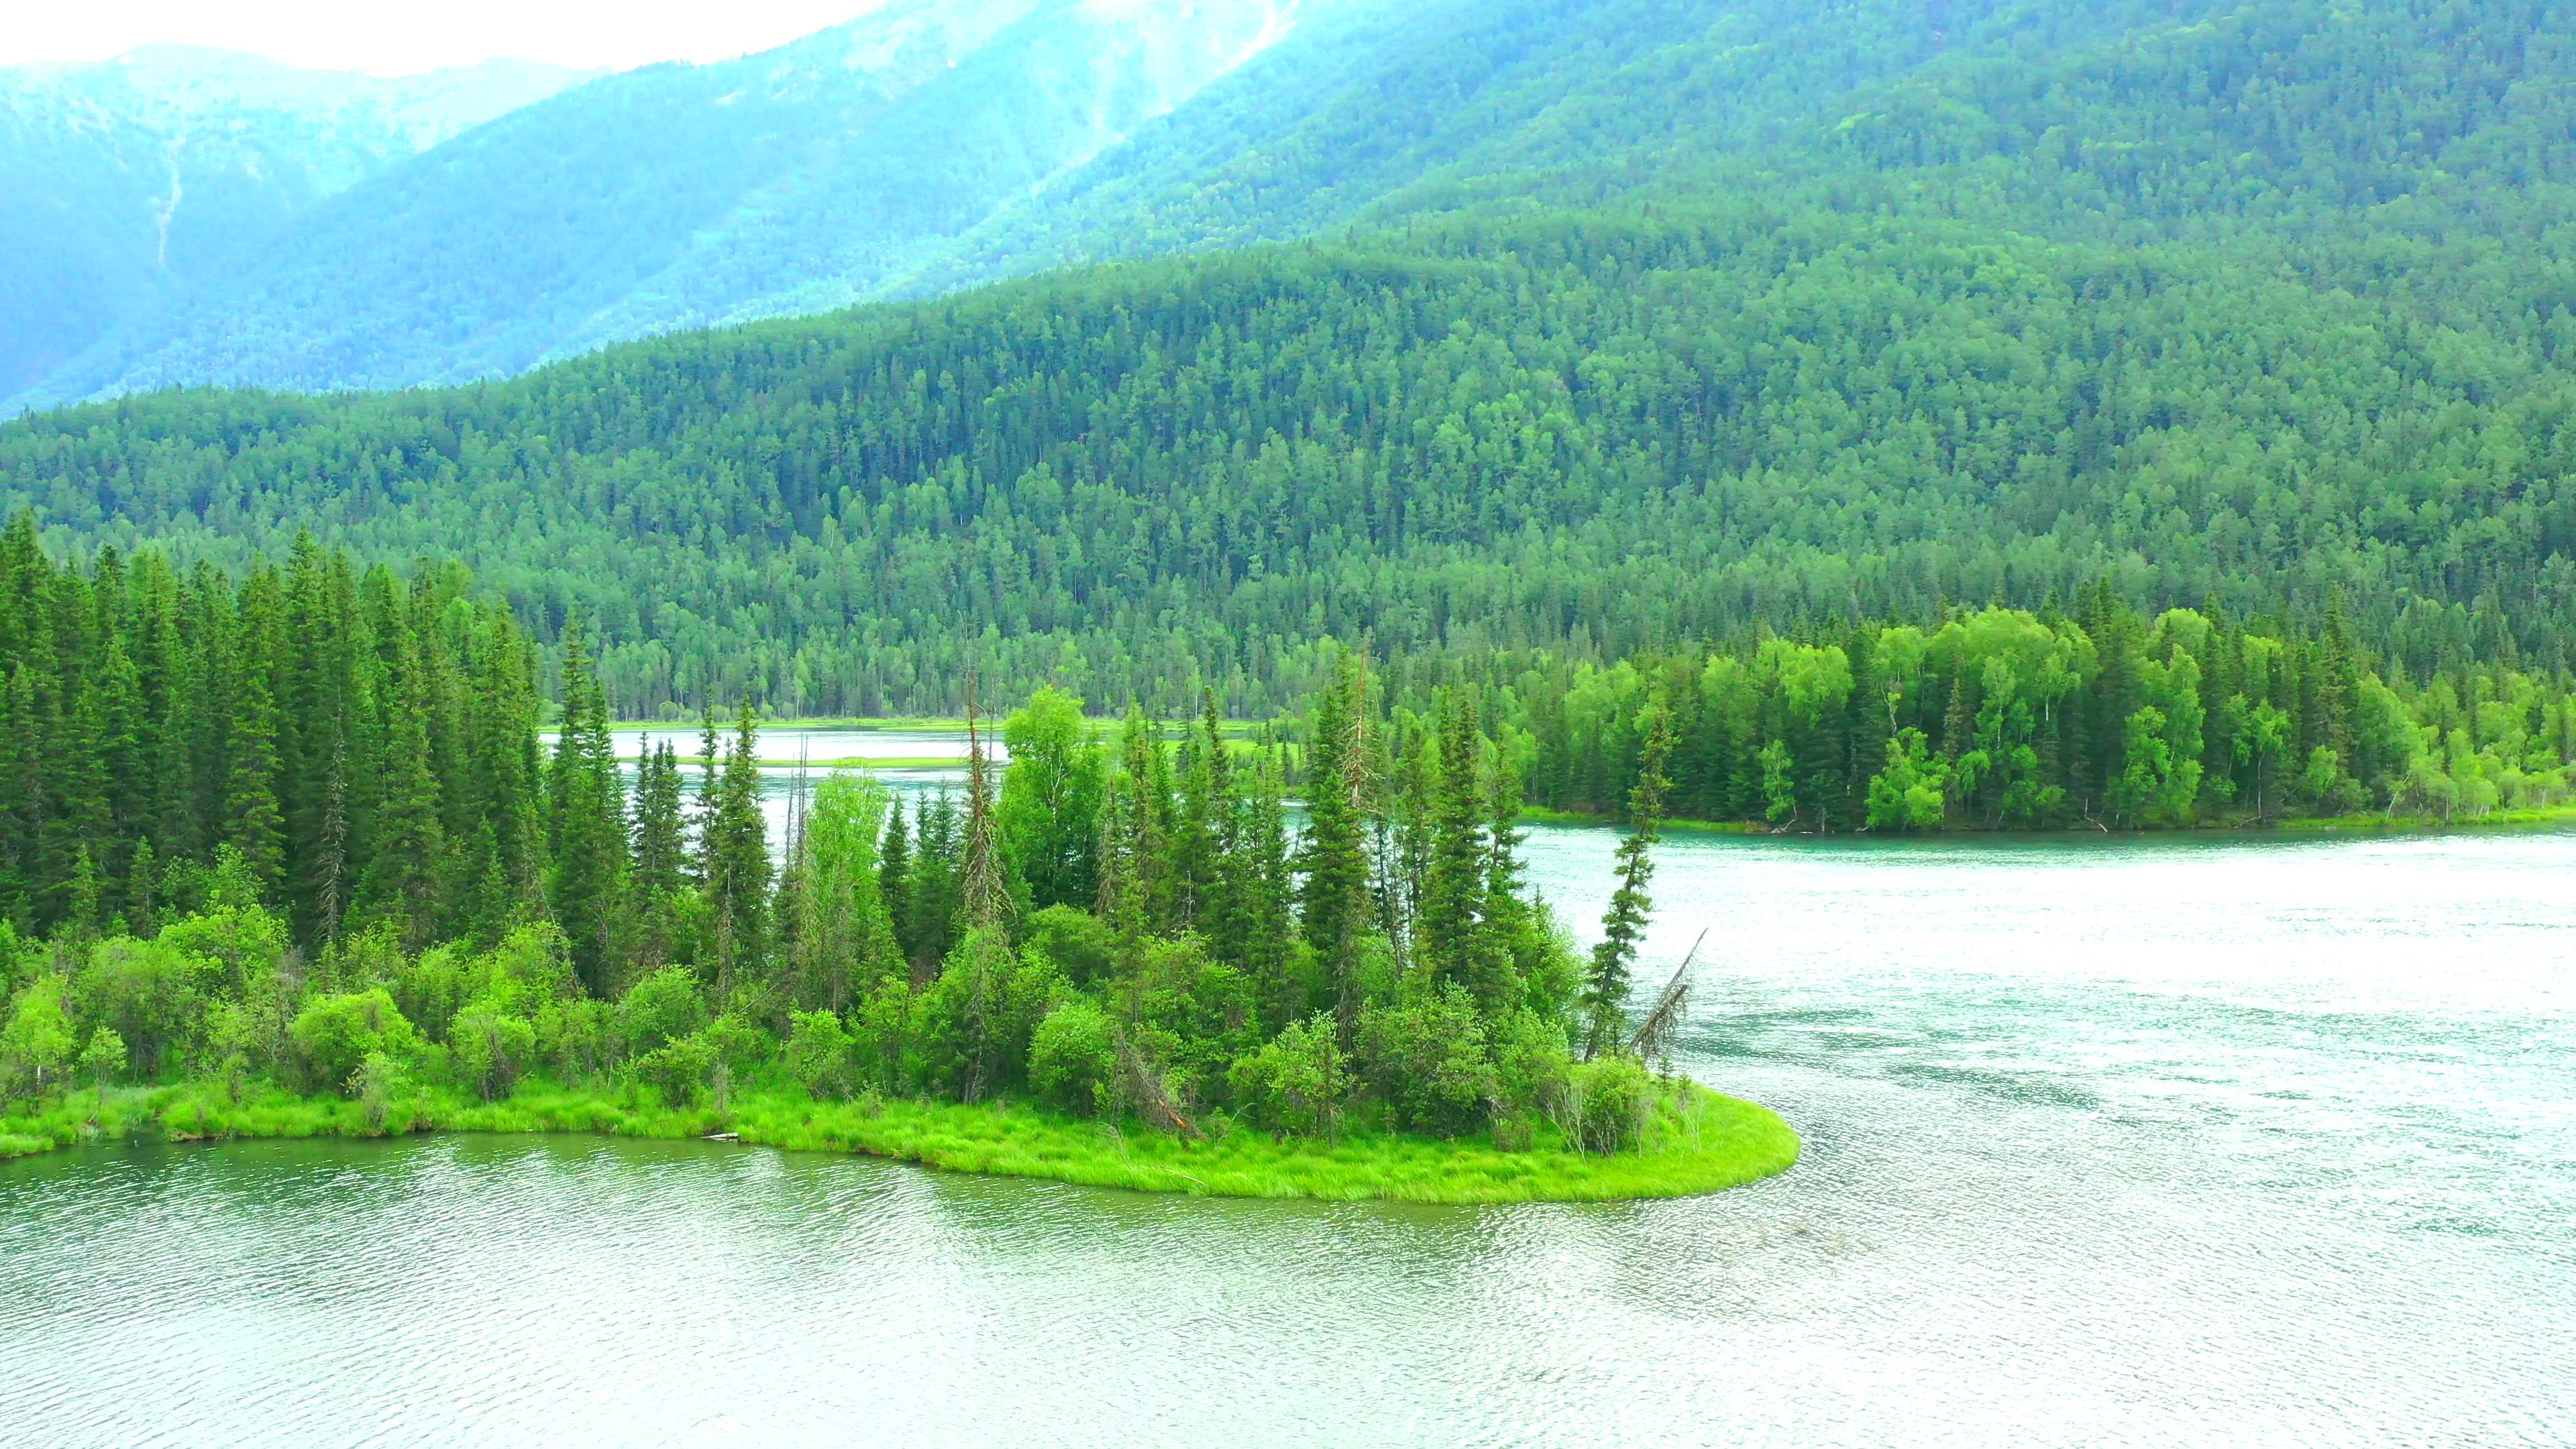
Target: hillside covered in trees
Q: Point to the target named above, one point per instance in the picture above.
(2243, 311)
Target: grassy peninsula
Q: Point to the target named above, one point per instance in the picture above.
(337, 879)
(1694, 1141)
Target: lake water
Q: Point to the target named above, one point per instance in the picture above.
(2107, 1143)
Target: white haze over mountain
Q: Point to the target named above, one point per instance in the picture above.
(419, 246)
(127, 183)
(398, 39)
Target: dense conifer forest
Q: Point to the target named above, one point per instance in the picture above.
(299, 828)
(2240, 310)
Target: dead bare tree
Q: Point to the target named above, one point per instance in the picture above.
(1654, 1037)
(1145, 1088)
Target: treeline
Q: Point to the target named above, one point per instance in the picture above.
(365, 871)
(2005, 718)
(364, 742)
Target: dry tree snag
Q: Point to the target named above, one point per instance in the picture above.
(1655, 1035)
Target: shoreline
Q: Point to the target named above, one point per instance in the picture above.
(2296, 826)
(1700, 1141)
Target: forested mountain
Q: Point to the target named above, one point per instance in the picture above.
(929, 146)
(2244, 309)
(133, 179)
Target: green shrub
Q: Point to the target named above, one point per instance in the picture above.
(818, 1055)
(531, 966)
(1605, 1103)
(37, 1043)
(660, 1008)
(573, 1035)
(152, 993)
(374, 1083)
(430, 989)
(104, 1058)
(1081, 945)
(334, 1035)
(1426, 1060)
(1296, 1081)
(492, 1048)
(677, 1069)
(1530, 1061)
(1074, 1056)
(243, 941)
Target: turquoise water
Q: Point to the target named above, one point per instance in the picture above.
(2108, 1143)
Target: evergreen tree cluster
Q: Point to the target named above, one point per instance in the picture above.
(1123, 927)
(2007, 718)
(362, 745)
(1595, 434)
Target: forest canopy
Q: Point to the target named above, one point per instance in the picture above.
(2238, 310)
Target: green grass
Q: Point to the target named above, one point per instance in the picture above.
(873, 762)
(2294, 825)
(1232, 729)
(1698, 1141)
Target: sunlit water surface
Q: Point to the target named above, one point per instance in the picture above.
(2107, 1143)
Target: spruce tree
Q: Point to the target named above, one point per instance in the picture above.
(661, 837)
(933, 893)
(254, 820)
(404, 873)
(1261, 886)
(1453, 878)
(894, 883)
(1623, 926)
(737, 865)
(1335, 895)
(588, 824)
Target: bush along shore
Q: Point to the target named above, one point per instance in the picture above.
(359, 895)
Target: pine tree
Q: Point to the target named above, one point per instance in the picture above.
(737, 865)
(1453, 878)
(1623, 926)
(1335, 898)
(588, 821)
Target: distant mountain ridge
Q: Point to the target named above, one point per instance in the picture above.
(132, 180)
(794, 180)
(937, 144)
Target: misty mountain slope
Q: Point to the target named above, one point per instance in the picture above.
(1461, 104)
(683, 195)
(932, 146)
(128, 180)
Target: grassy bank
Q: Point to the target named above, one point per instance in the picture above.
(1698, 1141)
(2297, 825)
(1242, 729)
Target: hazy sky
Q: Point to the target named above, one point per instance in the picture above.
(391, 38)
